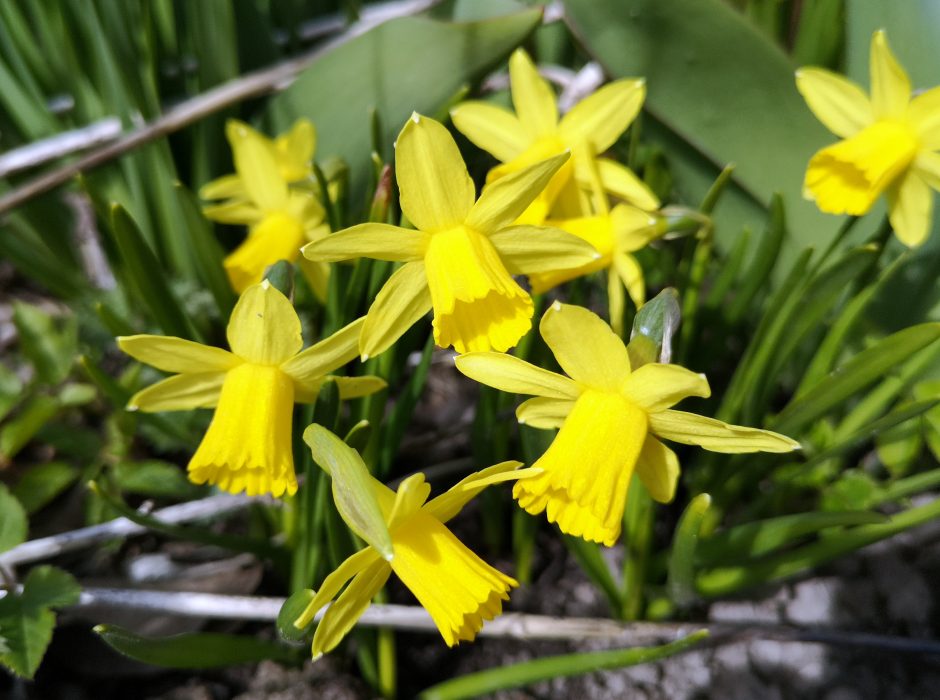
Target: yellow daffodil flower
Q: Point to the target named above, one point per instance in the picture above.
(460, 260)
(610, 419)
(889, 144)
(280, 219)
(457, 588)
(535, 132)
(252, 388)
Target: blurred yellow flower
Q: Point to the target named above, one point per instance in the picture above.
(280, 219)
(252, 388)
(457, 588)
(534, 133)
(461, 258)
(889, 144)
(610, 418)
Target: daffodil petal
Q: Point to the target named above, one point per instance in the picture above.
(615, 302)
(398, 306)
(334, 582)
(225, 187)
(409, 497)
(492, 128)
(241, 212)
(510, 374)
(890, 86)
(656, 387)
(544, 413)
(541, 249)
(532, 96)
(176, 355)
(924, 115)
(451, 502)
(317, 275)
(910, 208)
(633, 228)
(183, 392)
(264, 328)
(378, 241)
(436, 190)
(841, 105)
(504, 199)
(927, 165)
(714, 435)
(600, 118)
(658, 469)
(342, 615)
(295, 150)
(256, 165)
(325, 356)
(631, 274)
(585, 346)
(619, 181)
(356, 387)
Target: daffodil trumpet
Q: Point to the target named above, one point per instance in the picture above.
(611, 418)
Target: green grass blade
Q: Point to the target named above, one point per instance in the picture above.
(681, 572)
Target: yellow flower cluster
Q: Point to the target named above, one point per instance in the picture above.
(546, 213)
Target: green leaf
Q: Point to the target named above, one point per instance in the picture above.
(50, 350)
(551, 667)
(147, 276)
(41, 483)
(11, 390)
(202, 650)
(752, 540)
(703, 60)
(13, 522)
(863, 369)
(353, 487)
(26, 621)
(16, 433)
(358, 436)
(340, 88)
(681, 572)
(292, 609)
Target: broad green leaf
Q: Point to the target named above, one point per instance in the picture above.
(860, 371)
(13, 522)
(146, 275)
(703, 61)
(353, 487)
(373, 71)
(292, 609)
(752, 540)
(516, 675)
(681, 571)
(41, 483)
(26, 620)
(199, 650)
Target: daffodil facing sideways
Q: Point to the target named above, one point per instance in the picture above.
(889, 144)
(461, 258)
(457, 588)
(611, 419)
(535, 132)
(280, 218)
(253, 389)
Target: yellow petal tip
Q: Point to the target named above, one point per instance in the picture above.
(318, 656)
(415, 117)
(265, 284)
(364, 357)
(556, 306)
